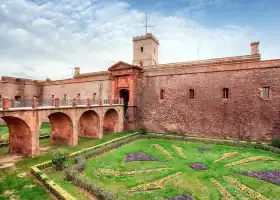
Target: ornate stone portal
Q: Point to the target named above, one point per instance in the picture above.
(123, 85)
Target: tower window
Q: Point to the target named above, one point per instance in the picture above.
(162, 94)
(191, 93)
(142, 49)
(94, 96)
(265, 93)
(79, 95)
(52, 96)
(225, 93)
(65, 97)
(155, 51)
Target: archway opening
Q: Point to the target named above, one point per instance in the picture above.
(124, 93)
(61, 128)
(111, 121)
(89, 124)
(20, 136)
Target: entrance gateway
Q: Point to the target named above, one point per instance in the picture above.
(123, 85)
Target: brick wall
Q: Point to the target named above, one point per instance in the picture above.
(244, 115)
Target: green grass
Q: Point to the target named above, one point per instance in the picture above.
(197, 183)
(24, 188)
(10, 181)
(3, 130)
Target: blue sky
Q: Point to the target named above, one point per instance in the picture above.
(41, 38)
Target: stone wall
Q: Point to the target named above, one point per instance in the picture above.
(244, 115)
(85, 89)
(85, 84)
(26, 89)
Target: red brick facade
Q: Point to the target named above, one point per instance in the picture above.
(234, 97)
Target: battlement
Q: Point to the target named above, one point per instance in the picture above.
(144, 37)
(15, 80)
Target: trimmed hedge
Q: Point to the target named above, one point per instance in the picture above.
(89, 185)
(237, 143)
(79, 158)
(50, 185)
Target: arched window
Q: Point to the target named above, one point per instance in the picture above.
(225, 93)
(142, 49)
(191, 93)
(162, 94)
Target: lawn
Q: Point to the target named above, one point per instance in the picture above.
(17, 183)
(110, 170)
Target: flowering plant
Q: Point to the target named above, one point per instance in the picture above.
(160, 148)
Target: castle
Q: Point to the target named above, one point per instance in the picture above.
(232, 98)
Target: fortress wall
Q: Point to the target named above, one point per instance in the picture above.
(244, 115)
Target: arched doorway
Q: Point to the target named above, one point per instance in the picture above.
(20, 136)
(111, 121)
(124, 93)
(61, 128)
(89, 124)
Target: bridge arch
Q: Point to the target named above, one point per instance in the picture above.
(20, 136)
(61, 128)
(89, 124)
(111, 121)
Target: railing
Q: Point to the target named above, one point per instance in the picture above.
(56, 102)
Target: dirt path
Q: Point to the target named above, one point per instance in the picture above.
(9, 160)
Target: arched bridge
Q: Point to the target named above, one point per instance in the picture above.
(67, 123)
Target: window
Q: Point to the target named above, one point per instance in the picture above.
(225, 93)
(142, 49)
(162, 94)
(265, 93)
(52, 96)
(65, 97)
(155, 51)
(94, 96)
(79, 95)
(17, 98)
(0, 97)
(191, 94)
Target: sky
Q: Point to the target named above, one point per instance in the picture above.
(48, 38)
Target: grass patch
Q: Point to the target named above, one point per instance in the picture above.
(10, 181)
(196, 183)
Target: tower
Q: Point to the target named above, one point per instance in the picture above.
(145, 50)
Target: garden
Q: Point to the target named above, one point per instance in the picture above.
(155, 166)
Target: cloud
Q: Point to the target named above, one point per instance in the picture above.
(42, 39)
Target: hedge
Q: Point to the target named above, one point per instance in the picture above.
(50, 185)
(238, 143)
(79, 157)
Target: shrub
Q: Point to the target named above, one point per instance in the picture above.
(276, 142)
(59, 159)
(143, 131)
(80, 163)
(89, 185)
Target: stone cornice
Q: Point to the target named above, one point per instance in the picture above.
(208, 62)
(101, 73)
(182, 69)
(103, 77)
(144, 37)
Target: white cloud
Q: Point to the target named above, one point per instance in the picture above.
(39, 40)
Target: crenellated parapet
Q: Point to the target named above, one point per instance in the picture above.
(145, 37)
